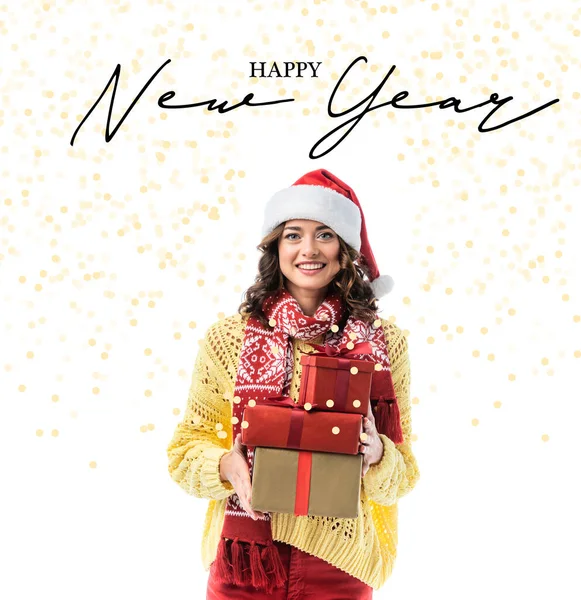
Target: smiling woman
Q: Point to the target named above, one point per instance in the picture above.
(309, 259)
(317, 283)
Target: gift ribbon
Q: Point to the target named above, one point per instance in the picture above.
(297, 421)
(295, 431)
(303, 487)
(342, 385)
(283, 402)
(305, 459)
(328, 350)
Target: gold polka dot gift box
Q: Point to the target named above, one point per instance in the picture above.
(338, 384)
(280, 423)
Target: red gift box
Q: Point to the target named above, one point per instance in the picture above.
(298, 429)
(335, 383)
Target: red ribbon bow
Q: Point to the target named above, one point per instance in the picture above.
(328, 350)
(297, 417)
(284, 402)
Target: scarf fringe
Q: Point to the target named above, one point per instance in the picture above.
(388, 422)
(257, 572)
(247, 564)
(239, 570)
(271, 557)
(223, 564)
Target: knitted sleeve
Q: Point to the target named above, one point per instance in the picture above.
(397, 472)
(195, 450)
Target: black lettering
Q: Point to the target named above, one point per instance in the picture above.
(274, 69)
(115, 79)
(261, 69)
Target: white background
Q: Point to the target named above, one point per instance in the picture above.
(115, 258)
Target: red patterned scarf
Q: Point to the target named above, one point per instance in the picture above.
(246, 553)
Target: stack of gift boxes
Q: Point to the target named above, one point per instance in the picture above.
(306, 459)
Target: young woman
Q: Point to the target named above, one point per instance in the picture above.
(317, 283)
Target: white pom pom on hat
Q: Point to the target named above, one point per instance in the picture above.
(322, 196)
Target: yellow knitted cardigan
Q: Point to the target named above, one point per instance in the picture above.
(364, 547)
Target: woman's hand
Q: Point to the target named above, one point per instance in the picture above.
(371, 445)
(234, 468)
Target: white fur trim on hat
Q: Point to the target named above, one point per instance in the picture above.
(316, 203)
(382, 285)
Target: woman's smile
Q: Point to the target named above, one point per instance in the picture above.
(311, 268)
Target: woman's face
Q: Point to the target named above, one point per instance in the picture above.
(305, 241)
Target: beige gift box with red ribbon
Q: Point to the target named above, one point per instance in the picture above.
(306, 483)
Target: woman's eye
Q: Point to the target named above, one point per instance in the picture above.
(288, 235)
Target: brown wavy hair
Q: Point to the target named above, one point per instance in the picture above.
(351, 282)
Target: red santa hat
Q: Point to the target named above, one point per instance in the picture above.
(322, 196)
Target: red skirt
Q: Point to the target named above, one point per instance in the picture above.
(308, 578)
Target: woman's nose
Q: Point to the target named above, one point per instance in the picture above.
(309, 247)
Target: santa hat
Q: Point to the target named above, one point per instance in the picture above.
(322, 196)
